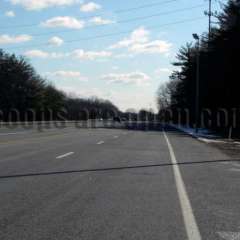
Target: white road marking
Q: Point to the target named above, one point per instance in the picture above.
(14, 133)
(116, 137)
(65, 155)
(229, 235)
(191, 226)
(100, 143)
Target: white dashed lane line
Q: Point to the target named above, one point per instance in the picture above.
(14, 133)
(65, 155)
(100, 143)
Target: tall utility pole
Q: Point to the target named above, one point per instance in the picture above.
(210, 18)
(209, 13)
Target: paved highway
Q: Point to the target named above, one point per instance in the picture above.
(114, 184)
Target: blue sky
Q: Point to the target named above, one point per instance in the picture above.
(102, 48)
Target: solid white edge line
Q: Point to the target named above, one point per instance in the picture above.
(65, 155)
(191, 226)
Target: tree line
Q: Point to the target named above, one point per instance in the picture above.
(219, 73)
(25, 95)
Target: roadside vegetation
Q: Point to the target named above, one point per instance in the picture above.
(219, 84)
(25, 95)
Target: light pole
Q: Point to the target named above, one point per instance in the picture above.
(196, 37)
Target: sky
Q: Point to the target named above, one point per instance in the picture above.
(117, 50)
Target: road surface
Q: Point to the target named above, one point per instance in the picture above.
(115, 184)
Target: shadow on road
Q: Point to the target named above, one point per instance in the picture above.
(116, 168)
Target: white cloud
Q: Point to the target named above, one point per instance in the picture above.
(36, 53)
(42, 54)
(100, 21)
(90, 7)
(65, 21)
(140, 35)
(84, 93)
(139, 42)
(115, 68)
(157, 46)
(42, 4)
(68, 75)
(136, 78)
(55, 41)
(10, 14)
(90, 55)
(123, 55)
(77, 54)
(162, 70)
(7, 39)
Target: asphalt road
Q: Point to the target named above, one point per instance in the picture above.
(125, 183)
